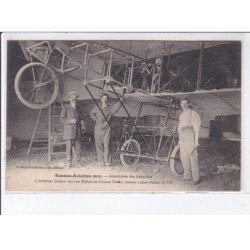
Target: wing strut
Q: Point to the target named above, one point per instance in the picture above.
(86, 87)
(138, 130)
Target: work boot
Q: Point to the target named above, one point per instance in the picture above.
(197, 182)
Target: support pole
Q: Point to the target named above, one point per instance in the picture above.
(136, 120)
(200, 66)
(169, 54)
(179, 74)
(166, 121)
(34, 132)
(131, 72)
(86, 61)
(138, 130)
(102, 114)
(86, 54)
(126, 73)
(49, 135)
(160, 71)
(168, 65)
(110, 63)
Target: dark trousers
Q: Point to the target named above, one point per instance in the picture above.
(73, 147)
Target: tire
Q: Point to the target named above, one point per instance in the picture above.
(175, 162)
(134, 146)
(28, 71)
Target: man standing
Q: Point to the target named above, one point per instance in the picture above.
(103, 129)
(146, 70)
(156, 76)
(72, 119)
(189, 129)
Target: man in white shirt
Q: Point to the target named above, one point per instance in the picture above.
(189, 129)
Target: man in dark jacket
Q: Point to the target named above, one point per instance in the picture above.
(72, 119)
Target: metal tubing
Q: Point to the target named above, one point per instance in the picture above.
(164, 145)
(124, 58)
(151, 127)
(37, 44)
(126, 68)
(84, 82)
(70, 57)
(96, 80)
(110, 63)
(99, 52)
(86, 54)
(49, 138)
(169, 54)
(171, 146)
(121, 51)
(34, 131)
(130, 118)
(137, 117)
(86, 68)
(131, 73)
(78, 46)
(46, 65)
(165, 159)
(200, 66)
(166, 121)
(117, 82)
(181, 72)
(103, 114)
(63, 59)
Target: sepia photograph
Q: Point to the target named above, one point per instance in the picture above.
(123, 115)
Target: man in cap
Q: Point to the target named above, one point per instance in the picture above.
(146, 72)
(189, 129)
(102, 129)
(156, 75)
(72, 119)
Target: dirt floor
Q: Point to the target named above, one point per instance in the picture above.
(34, 173)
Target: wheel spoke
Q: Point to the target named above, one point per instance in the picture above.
(26, 81)
(29, 92)
(37, 73)
(43, 74)
(45, 83)
(40, 87)
(32, 96)
(45, 96)
(33, 74)
(131, 148)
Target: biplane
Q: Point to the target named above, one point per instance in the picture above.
(146, 77)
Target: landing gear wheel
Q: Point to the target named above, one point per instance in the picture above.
(175, 162)
(130, 146)
(36, 85)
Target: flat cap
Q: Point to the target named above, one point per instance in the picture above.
(73, 93)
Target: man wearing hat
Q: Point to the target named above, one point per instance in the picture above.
(72, 119)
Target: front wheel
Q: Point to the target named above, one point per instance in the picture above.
(130, 153)
(36, 85)
(175, 162)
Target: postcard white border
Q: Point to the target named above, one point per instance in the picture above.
(133, 203)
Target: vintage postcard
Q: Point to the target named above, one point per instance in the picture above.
(129, 115)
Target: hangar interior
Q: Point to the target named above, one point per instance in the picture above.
(203, 70)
